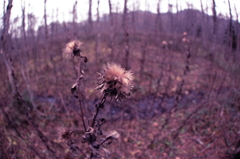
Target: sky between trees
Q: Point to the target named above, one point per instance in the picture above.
(62, 10)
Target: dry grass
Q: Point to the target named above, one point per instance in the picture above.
(203, 123)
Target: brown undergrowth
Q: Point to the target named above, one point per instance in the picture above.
(183, 105)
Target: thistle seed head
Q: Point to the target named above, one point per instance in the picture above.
(115, 81)
(73, 48)
(65, 134)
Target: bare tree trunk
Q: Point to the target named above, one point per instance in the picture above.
(52, 34)
(6, 18)
(4, 4)
(45, 19)
(125, 29)
(237, 30)
(214, 17)
(202, 6)
(90, 16)
(158, 18)
(5, 42)
(74, 18)
(146, 17)
(98, 33)
(170, 6)
(230, 10)
(232, 33)
(176, 19)
(24, 58)
(23, 26)
(214, 38)
(110, 12)
(143, 59)
(200, 30)
(112, 31)
(57, 25)
(133, 18)
(31, 36)
(112, 34)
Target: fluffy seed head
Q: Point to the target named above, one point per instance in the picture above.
(73, 48)
(115, 81)
(65, 134)
(185, 40)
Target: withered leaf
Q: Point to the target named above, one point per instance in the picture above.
(74, 87)
(113, 134)
(106, 151)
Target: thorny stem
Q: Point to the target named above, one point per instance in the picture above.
(81, 109)
(80, 76)
(70, 143)
(82, 152)
(104, 141)
(98, 106)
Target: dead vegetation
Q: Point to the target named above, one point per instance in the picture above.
(185, 102)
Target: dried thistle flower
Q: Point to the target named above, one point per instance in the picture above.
(65, 134)
(185, 40)
(115, 81)
(73, 48)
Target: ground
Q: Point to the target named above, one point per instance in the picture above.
(185, 102)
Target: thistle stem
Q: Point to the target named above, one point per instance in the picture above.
(80, 76)
(103, 141)
(99, 105)
(81, 109)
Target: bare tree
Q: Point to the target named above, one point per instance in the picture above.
(74, 17)
(133, 17)
(4, 4)
(231, 31)
(125, 29)
(214, 17)
(143, 59)
(170, 7)
(230, 11)
(24, 57)
(237, 27)
(4, 42)
(112, 35)
(52, 25)
(90, 15)
(45, 19)
(158, 18)
(6, 18)
(202, 6)
(31, 19)
(57, 20)
(176, 20)
(98, 32)
(23, 25)
(200, 28)
(110, 12)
